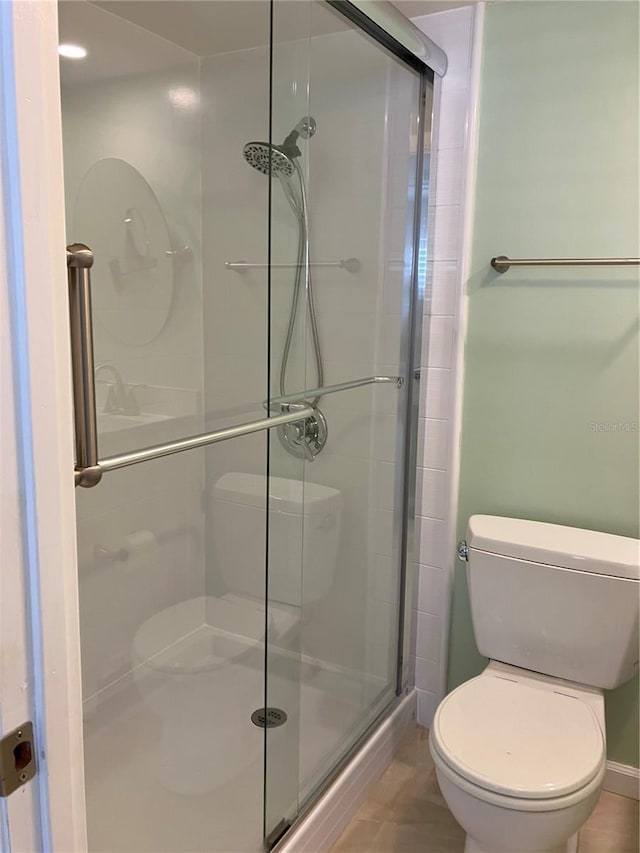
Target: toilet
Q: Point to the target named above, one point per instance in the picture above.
(520, 750)
(207, 653)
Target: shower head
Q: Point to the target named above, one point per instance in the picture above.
(277, 160)
(268, 159)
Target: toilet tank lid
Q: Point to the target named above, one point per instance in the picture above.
(285, 495)
(556, 545)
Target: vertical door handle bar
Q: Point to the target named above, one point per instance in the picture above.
(79, 262)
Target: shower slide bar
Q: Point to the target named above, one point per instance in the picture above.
(349, 264)
(502, 263)
(89, 468)
(302, 396)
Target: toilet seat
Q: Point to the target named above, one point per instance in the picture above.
(509, 740)
(518, 804)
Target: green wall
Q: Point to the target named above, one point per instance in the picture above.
(552, 352)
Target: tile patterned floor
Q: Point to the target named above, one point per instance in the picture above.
(405, 813)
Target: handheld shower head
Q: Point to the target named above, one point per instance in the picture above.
(280, 161)
(277, 160)
(268, 159)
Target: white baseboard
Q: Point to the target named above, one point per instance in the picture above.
(324, 824)
(622, 779)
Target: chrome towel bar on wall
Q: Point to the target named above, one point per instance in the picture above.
(502, 263)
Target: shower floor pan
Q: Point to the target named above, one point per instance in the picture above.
(175, 766)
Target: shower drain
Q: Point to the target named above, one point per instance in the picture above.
(268, 718)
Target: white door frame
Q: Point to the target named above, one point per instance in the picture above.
(48, 651)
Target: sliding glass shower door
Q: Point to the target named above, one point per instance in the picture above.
(356, 108)
(248, 178)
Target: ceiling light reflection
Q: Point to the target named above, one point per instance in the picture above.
(72, 51)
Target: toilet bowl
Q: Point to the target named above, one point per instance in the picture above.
(520, 760)
(520, 750)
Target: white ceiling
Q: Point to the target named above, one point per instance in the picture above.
(115, 48)
(222, 26)
(164, 29)
(205, 28)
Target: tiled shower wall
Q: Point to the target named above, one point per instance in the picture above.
(441, 366)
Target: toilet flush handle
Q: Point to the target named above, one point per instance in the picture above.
(463, 550)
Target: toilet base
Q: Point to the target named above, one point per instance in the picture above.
(473, 846)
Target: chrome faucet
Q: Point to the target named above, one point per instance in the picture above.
(120, 398)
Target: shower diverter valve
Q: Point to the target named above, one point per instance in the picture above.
(305, 439)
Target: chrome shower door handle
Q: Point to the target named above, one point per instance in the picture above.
(79, 263)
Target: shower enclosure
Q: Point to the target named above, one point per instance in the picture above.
(250, 180)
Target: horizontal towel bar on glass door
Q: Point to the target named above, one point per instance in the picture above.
(157, 451)
(299, 397)
(502, 263)
(348, 264)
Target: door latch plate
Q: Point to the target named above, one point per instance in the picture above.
(17, 759)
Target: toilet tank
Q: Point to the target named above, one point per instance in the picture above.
(555, 600)
(304, 534)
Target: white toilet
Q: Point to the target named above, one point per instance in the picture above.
(205, 655)
(520, 751)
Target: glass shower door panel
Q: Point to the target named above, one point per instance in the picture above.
(357, 167)
(361, 182)
(172, 553)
